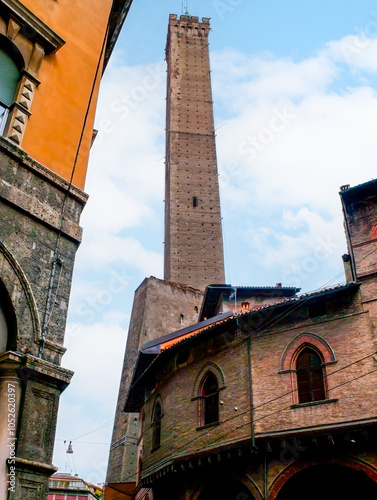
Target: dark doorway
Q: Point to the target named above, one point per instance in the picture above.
(229, 490)
(329, 482)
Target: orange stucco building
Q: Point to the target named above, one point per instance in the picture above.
(61, 50)
(67, 76)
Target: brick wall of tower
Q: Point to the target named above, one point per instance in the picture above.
(159, 308)
(193, 235)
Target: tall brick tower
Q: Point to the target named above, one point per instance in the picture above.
(193, 235)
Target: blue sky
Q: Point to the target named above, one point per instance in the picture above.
(295, 115)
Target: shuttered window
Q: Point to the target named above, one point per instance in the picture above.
(9, 76)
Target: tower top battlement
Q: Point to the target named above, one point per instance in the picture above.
(184, 18)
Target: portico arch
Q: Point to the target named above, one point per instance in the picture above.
(227, 489)
(18, 304)
(345, 478)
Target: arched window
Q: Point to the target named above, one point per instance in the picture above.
(9, 77)
(310, 383)
(209, 400)
(156, 425)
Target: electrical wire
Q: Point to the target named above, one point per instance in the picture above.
(282, 409)
(245, 412)
(102, 426)
(239, 414)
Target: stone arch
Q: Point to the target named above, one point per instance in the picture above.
(14, 52)
(212, 368)
(289, 357)
(157, 400)
(246, 485)
(8, 322)
(22, 302)
(291, 470)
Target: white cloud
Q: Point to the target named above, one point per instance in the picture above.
(291, 134)
(95, 353)
(100, 251)
(357, 51)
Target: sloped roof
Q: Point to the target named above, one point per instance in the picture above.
(156, 361)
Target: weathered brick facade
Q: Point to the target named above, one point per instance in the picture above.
(266, 443)
(159, 307)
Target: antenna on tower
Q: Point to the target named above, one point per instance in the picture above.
(185, 7)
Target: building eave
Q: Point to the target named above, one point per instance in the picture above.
(135, 395)
(118, 15)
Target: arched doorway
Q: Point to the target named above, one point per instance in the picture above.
(329, 482)
(226, 490)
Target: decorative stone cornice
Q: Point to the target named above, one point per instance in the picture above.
(30, 465)
(37, 29)
(42, 171)
(41, 367)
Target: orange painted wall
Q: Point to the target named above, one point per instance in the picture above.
(60, 102)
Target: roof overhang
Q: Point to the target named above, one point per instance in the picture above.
(263, 317)
(215, 293)
(119, 491)
(118, 15)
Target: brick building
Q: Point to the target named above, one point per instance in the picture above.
(258, 392)
(272, 401)
(50, 69)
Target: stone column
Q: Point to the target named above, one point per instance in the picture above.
(10, 395)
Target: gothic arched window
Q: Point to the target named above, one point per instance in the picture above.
(310, 381)
(209, 399)
(156, 424)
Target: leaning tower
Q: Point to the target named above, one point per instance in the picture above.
(193, 237)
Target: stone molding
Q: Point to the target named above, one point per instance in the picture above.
(36, 28)
(41, 211)
(26, 161)
(41, 367)
(215, 370)
(288, 359)
(25, 29)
